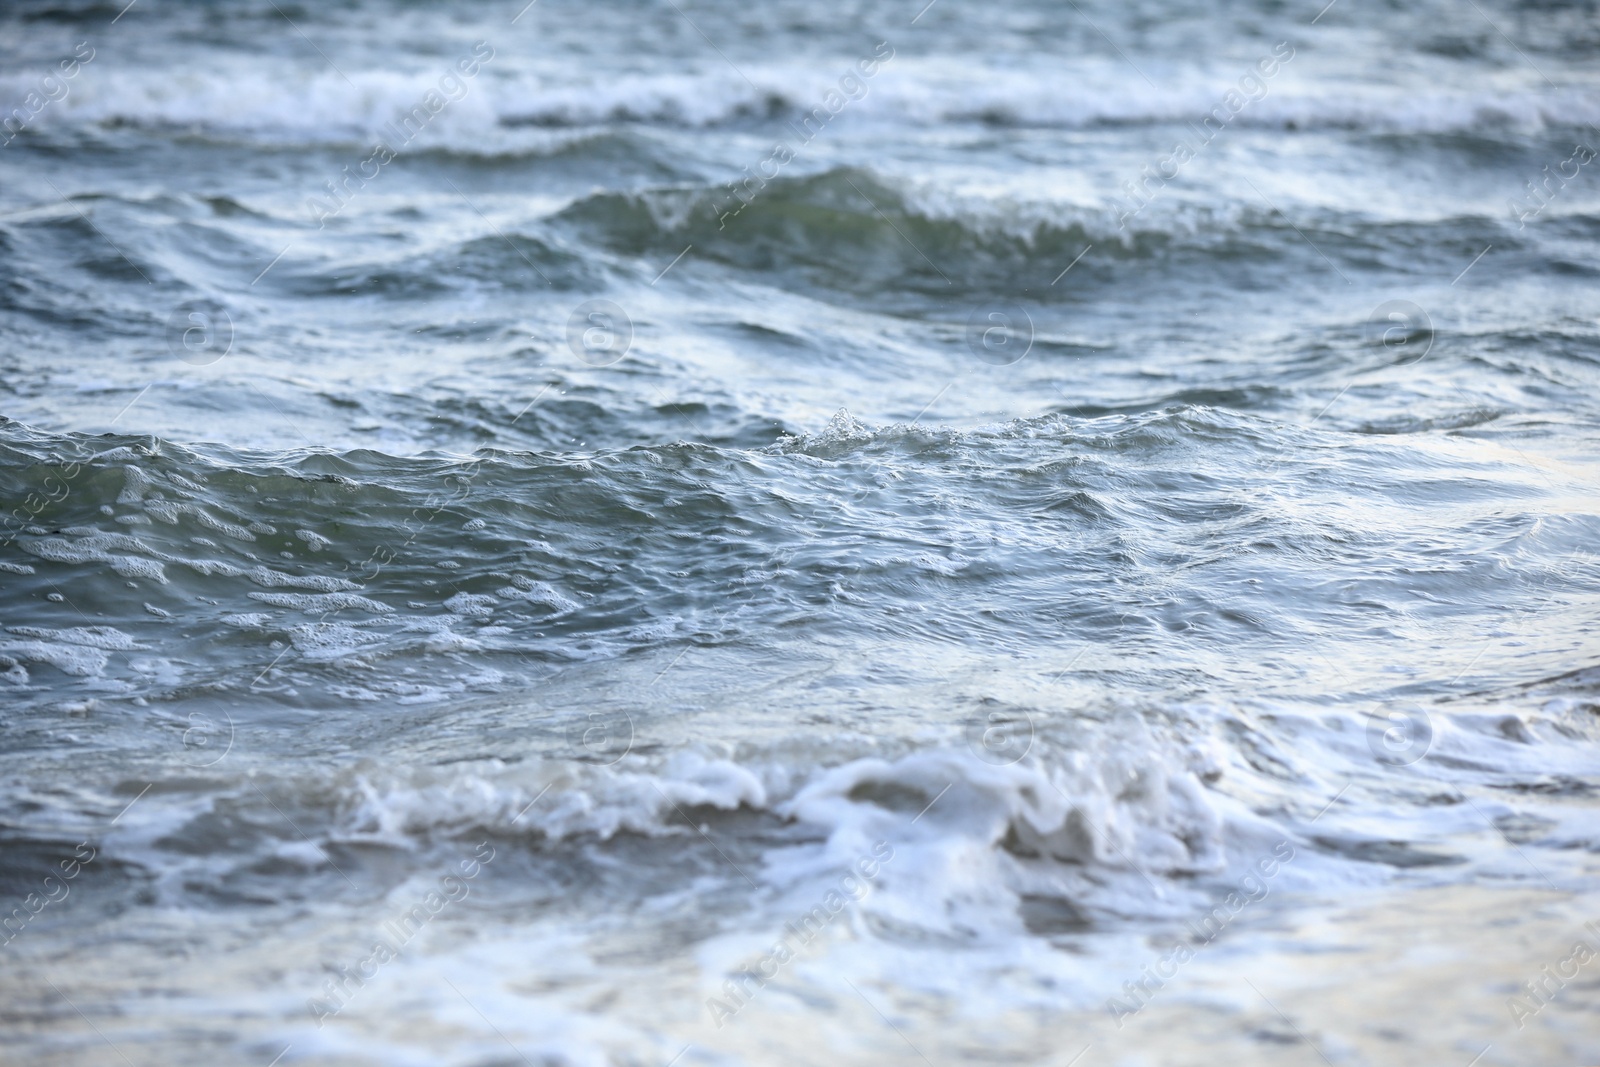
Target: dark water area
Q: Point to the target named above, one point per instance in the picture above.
(676, 534)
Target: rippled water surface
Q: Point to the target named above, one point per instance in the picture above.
(699, 533)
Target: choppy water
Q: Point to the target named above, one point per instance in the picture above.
(709, 534)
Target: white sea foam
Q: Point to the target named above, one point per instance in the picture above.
(76, 660)
(105, 637)
(559, 800)
(321, 603)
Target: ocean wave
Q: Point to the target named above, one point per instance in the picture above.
(1122, 804)
(518, 110)
(844, 230)
(854, 230)
(1110, 815)
(356, 577)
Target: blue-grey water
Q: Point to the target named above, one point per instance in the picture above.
(689, 533)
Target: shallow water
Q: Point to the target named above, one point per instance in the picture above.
(648, 534)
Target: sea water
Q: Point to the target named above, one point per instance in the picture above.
(706, 533)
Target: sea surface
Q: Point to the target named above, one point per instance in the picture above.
(692, 533)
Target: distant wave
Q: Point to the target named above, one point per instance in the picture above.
(324, 108)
